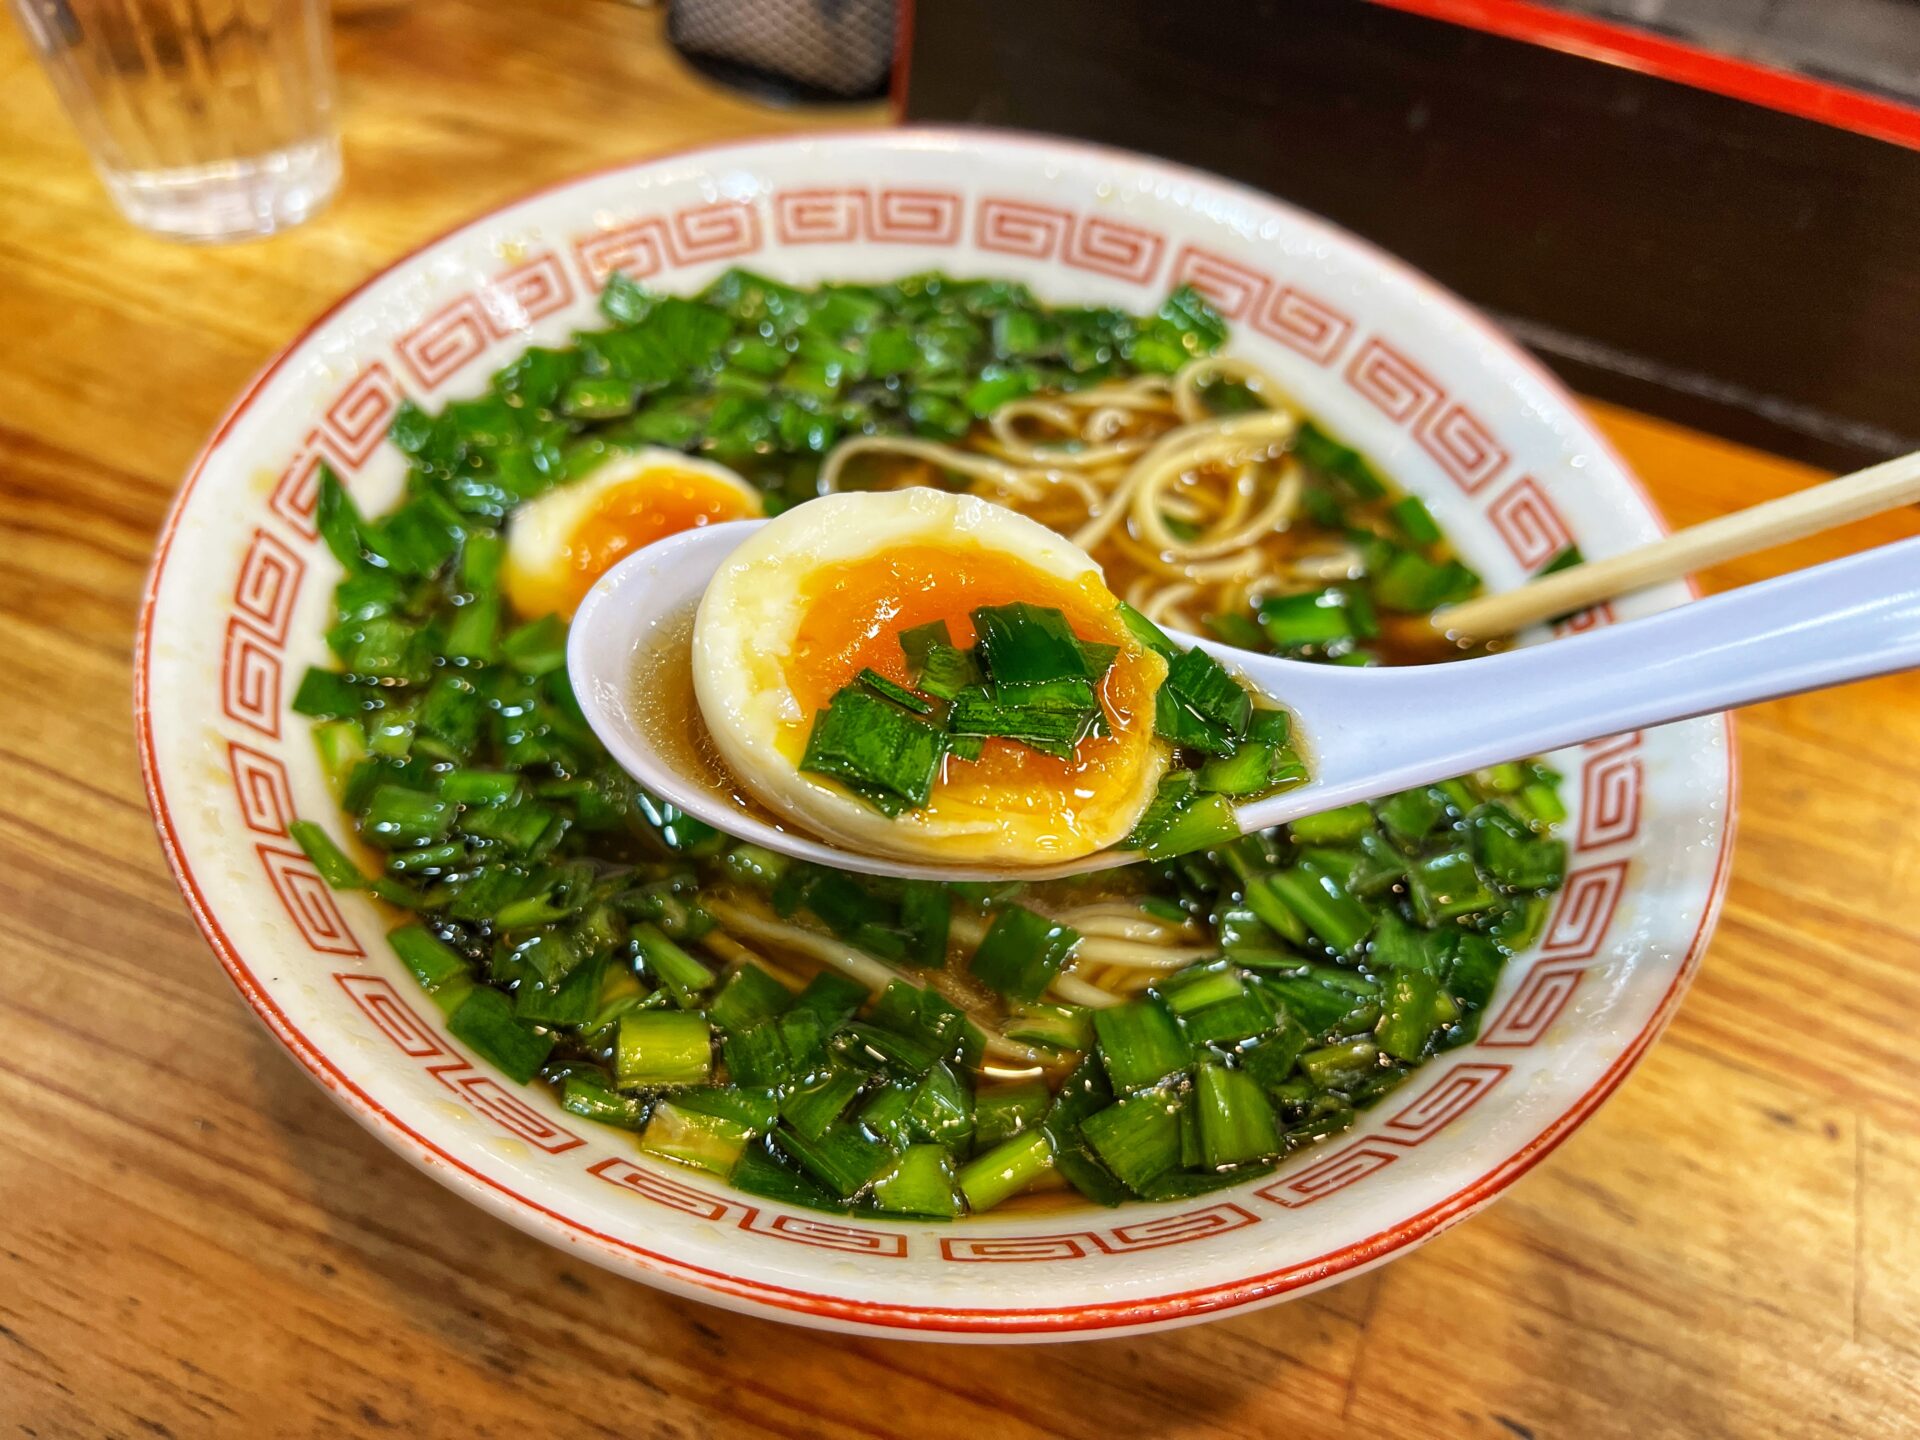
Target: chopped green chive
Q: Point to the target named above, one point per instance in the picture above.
(1317, 620)
(1416, 522)
(1447, 885)
(886, 756)
(1333, 827)
(1140, 1044)
(1023, 644)
(1022, 952)
(1004, 1111)
(433, 964)
(921, 1182)
(1322, 903)
(1512, 854)
(710, 1142)
(485, 1021)
(1006, 1169)
(1137, 1139)
(1236, 1122)
(336, 867)
(899, 694)
(843, 1157)
(663, 1048)
(749, 996)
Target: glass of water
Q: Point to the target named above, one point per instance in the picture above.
(207, 119)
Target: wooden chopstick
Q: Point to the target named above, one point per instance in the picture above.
(1885, 486)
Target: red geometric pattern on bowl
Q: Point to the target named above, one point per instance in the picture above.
(795, 1229)
(1018, 1249)
(1397, 388)
(1527, 521)
(527, 293)
(1456, 1091)
(1580, 922)
(918, 217)
(1542, 996)
(260, 785)
(382, 1004)
(463, 329)
(1097, 243)
(308, 902)
(1610, 786)
(1584, 910)
(721, 231)
(1346, 1166)
(297, 491)
(1232, 288)
(1280, 312)
(447, 341)
(1153, 1234)
(819, 217)
(888, 216)
(1125, 252)
(358, 418)
(505, 1107)
(1015, 227)
(250, 679)
(1312, 327)
(1463, 446)
(269, 584)
(641, 248)
(820, 1234)
(393, 1017)
(470, 326)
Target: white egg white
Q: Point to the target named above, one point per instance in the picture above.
(542, 530)
(745, 629)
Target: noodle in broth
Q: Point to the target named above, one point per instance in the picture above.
(1192, 510)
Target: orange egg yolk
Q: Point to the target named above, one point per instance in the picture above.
(852, 617)
(626, 518)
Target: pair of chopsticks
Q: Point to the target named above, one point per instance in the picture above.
(1882, 487)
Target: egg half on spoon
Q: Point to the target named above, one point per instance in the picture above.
(560, 543)
(822, 594)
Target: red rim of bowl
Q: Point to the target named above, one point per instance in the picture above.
(539, 1219)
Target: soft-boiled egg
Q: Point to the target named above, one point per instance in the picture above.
(823, 592)
(561, 542)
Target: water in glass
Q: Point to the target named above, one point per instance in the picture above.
(208, 119)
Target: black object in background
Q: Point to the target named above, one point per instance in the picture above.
(1731, 267)
(788, 51)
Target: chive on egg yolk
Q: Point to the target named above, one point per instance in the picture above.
(825, 591)
(559, 544)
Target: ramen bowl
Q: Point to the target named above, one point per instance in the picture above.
(239, 596)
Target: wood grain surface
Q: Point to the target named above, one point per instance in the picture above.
(195, 1242)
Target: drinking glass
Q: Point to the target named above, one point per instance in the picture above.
(207, 119)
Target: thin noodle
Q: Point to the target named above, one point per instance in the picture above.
(1076, 991)
(734, 953)
(1188, 447)
(1196, 376)
(1125, 463)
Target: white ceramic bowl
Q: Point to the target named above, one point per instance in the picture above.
(234, 612)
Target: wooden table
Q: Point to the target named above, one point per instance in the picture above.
(195, 1242)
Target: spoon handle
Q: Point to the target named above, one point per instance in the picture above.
(1374, 732)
